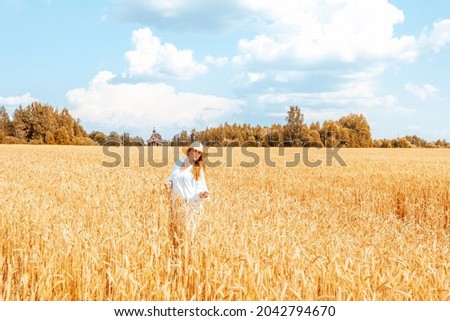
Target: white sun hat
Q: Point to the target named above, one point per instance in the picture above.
(196, 146)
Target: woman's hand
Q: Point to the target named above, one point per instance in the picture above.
(168, 185)
(203, 195)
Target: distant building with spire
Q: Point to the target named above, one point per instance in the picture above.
(155, 139)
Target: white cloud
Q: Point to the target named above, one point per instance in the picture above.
(311, 115)
(365, 74)
(145, 105)
(322, 115)
(22, 100)
(300, 32)
(327, 55)
(152, 58)
(218, 62)
(359, 94)
(285, 76)
(254, 77)
(422, 92)
(310, 31)
(241, 60)
(263, 48)
(438, 37)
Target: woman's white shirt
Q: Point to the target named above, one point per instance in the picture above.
(184, 183)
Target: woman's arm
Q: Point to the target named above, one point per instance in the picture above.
(168, 181)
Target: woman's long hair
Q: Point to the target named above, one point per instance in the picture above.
(199, 165)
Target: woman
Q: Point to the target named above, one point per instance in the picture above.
(188, 186)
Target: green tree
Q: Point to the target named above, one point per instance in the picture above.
(330, 133)
(114, 137)
(21, 124)
(294, 124)
(43, 124)
(183, 139)
(194, 135)
(62, 137)
(359, 134)
(274, 136)
(6, 127)
(315, 138)
(98, 137)
(416, 141)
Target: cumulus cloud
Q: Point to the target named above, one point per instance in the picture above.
(218, 62)
(327, 55)
(305, 32)
(145, 104)
(437, 37)
(312, 115)
(254, 77)
(422, 92)
(299, 32)
(355, 94)
(22, 100)
(153, 58)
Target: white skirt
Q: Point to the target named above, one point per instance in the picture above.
(185, 217)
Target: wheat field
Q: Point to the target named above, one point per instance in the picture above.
(376, 229)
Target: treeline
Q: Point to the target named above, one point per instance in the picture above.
(44, 124)
(41, 124)
(349, 131)
(409, 142)
(352, 131)
(115, 138)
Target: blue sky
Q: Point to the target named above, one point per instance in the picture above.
(131, 65)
